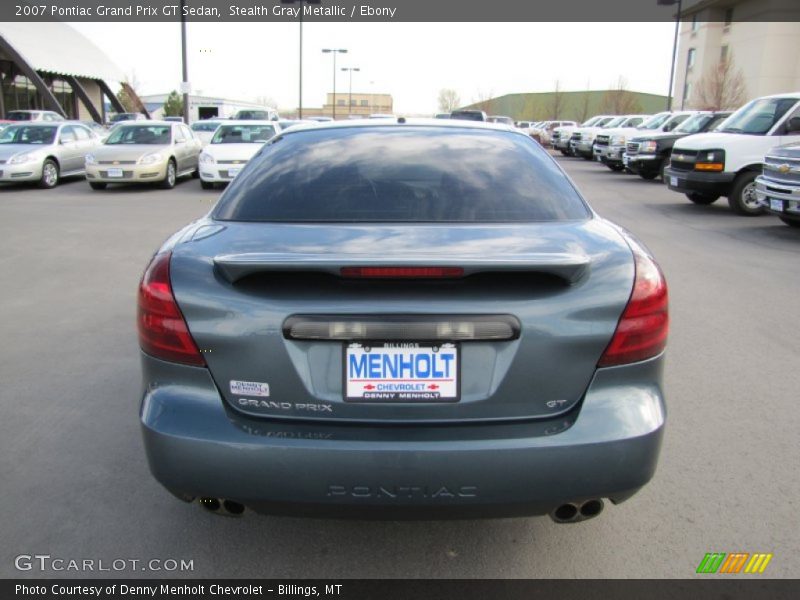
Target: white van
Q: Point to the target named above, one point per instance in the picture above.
(727, 161)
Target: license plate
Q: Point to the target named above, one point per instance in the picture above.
(114, 172)
(625, 159)
(234, 172)
(776, 205)
(401, 372)
(673, 181)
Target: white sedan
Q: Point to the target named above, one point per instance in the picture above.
(234, 143)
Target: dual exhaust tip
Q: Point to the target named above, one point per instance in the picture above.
(221, 506)
(569, 512)
(572, 512)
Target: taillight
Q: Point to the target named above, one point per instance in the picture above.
(642, 329)
(402, 272)
(162, 329)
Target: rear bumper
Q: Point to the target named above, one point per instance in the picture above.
(710, 184)
(606, 447)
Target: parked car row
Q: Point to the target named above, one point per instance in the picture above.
(750, 156)
(133, 151)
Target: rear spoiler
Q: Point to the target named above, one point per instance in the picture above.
(571, 267)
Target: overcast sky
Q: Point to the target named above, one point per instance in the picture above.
(411, 61)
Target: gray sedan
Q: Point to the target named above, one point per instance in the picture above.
(403, 319)
(44, 152)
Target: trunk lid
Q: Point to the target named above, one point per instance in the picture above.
(269, 309)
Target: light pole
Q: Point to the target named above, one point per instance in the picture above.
(185, 68)
(350, 89)
(674, 46)
(334, 51)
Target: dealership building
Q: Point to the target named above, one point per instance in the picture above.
(201, 107)
(50, 66)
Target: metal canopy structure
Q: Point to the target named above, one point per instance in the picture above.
(58, 48)
(44, 50)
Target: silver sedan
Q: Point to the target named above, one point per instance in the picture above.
(44, 152)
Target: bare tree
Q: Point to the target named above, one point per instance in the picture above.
(721, 88)
(484, 100)
(448, 100)
(556, 102)
(619, 100)
(583, 113)
(128, 94)
(266, 101)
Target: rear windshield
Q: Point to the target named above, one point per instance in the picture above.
(243, 134)
(15, 115)
(205, 126)
(468, 116)
(253, 114)
(408, 174)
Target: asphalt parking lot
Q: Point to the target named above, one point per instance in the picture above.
(75, 483)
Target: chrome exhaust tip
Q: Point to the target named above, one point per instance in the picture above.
(221, 506)
(572, 512)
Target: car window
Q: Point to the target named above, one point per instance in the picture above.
(28, 134)
(675, 121)
(140, 134)
(81, 132)
(409, 174)
(187, 133)
(68, 134)
(243, 134)
(759, 116)
(656, 121)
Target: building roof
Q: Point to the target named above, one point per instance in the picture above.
(574, 106)
(58, 48)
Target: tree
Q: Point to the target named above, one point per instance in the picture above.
(484, 101)
(583, 111)
(448, 100)
(128, 102)
(556, 102)
(619, 100)
(267, 101)
(173, 107)
(721, 88)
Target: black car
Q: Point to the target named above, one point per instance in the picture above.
(469, 115)
(648, 155)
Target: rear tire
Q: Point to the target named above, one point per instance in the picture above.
(702, 199)
(616, 168)
(207, 185)
(743, 199)
(49, 177)
(791, 222)
(97, 185)
(171, 177)
(649, 176)
(196, 173)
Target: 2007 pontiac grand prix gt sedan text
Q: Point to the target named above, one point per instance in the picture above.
(406, 318)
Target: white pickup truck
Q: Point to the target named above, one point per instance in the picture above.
(727, 161)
